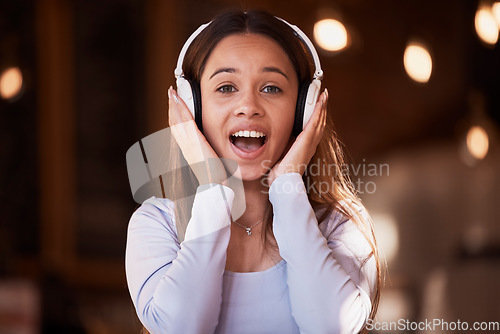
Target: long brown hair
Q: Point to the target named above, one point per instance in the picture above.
(340, 194)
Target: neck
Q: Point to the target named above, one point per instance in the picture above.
(256, 199)
(249, 253)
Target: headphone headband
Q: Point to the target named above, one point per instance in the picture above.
(178, 70)
(318, 73)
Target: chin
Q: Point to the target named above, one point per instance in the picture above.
(251, 174)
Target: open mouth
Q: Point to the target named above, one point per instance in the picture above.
(248, 141)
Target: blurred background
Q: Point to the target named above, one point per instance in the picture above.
(415, 97)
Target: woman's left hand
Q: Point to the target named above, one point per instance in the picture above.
(303, 148)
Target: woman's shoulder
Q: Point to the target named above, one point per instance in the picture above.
(161, 204)
(347, 220)
(155, 212)
(351, 244)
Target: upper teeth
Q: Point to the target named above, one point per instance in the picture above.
(246, 133)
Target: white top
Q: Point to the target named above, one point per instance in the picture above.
(323, 285)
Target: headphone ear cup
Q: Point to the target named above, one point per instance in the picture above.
(189, 92)
(195, 87)
(310, 101)
(299, 109)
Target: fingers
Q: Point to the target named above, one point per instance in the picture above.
(195, 148)
(324, 108)
(178, 111)
(184, 129)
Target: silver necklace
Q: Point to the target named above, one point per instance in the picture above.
(248, 229)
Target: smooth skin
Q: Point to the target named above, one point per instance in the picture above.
(248, 83)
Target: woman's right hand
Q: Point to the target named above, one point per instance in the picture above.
(198, 153)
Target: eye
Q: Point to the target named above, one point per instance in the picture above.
(271, 89)
(226, 89)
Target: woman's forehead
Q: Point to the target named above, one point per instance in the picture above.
(243, 51)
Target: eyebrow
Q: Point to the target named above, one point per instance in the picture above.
(275, 70)
(226, 69)
(271, 69)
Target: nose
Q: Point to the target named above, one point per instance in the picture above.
(249, 106)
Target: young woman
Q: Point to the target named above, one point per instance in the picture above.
(314, 268)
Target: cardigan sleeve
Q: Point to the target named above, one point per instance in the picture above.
(331, 272)
(177, 287)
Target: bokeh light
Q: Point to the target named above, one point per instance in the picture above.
(387, 235)
(418, 62)
(11, 82)
(395, 305)
(477, 142)
(495, 10)
(486, 26)
(330, 35)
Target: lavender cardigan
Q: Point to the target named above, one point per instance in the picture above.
(323, 284)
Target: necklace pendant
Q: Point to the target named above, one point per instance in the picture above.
(249, 232)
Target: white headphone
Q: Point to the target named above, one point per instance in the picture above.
(307, 95)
